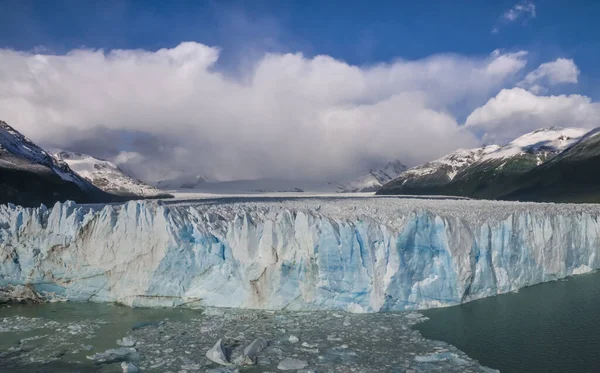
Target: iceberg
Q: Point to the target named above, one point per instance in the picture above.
(355, 254)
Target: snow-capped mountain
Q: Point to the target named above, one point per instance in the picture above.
(440, 171)
(29, 175)
(484, 172)
(368, 182)
(372, 180)
(571, 176)
(544, 143)
(183, 181)
(21, 153)
(108, 176)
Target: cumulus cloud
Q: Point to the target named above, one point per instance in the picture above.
(551, 73)
(289, 116)
(521, 11)
(516, 111)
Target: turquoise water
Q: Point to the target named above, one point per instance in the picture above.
(551, 327)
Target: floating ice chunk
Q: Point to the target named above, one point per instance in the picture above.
(222, 370)
(114, 355)
(143, 324)
(244, 360)
(126, 341)
(129, 367)
(582, 269)
(435, 357)
(356, 308)
(256, 346)
(217, 355)
(34, 338)
(293, 339)
(291, 364)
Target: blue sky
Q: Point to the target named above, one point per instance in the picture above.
(497, 68)
(359, 32)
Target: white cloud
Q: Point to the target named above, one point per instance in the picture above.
(551, 73)
(289, 116)
(522, 10)
(516, 111)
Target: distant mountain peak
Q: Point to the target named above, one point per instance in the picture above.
(485, 172)
(107, 176)
(29, 175)
(372, 180)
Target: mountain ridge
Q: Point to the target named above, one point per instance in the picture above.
(107, 176)
(30, 176)
(487, 175)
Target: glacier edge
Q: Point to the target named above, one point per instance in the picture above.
(354, 254)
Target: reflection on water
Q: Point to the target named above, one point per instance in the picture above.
(551, 327)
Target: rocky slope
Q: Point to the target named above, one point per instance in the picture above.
(30, 176)
(372, 180)
(571, 176)
(108, 176)
(485, 172)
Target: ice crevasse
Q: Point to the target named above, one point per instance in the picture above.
(355, 254)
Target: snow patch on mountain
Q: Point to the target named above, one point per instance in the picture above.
(183, 181)
(545, 141)
(107, 176)
(373, 180)
(18, 151)
(368, 182)
(452, 163)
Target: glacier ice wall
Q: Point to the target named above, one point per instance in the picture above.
(357, 254)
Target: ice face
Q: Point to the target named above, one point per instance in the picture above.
(355, 254)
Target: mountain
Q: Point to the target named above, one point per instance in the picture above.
(432, 177)
(30, 176)
(108, 177)
(368, 182)
(184, 181)
(372, 180)
(571, 176)
(485, 172)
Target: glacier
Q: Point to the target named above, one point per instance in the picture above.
(365, 254)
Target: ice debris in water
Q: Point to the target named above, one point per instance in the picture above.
(376, 343)
(126, 342)
(217, 354)
(291, 364)
(294, 339)
(115, 354)
(256, 346)
(129, 367)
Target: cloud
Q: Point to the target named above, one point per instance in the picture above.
(516, 111)
(523, 10)
(551, 73)
(289, 116)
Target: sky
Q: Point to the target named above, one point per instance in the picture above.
(293, 89)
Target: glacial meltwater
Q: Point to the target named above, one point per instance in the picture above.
(550, 327)
(89, 337)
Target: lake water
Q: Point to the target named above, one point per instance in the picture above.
(551, 327)
(82, 337)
